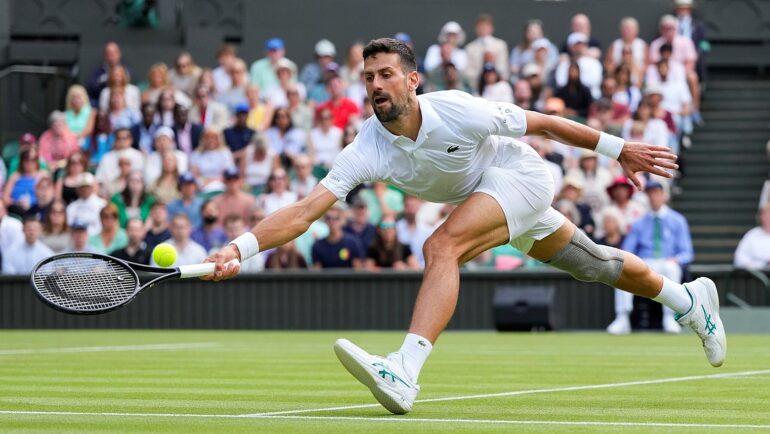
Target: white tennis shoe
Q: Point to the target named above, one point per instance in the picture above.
(703, 318)
(384, 376)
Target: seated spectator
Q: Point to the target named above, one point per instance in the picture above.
(165, 187)
(19, 194)
(210, 159)
(136, 250)
(121, 115)
(629, 49)
(240, 134)
(236, 95)
(572, 191)
(753, 251)
(356, 90)
(118, 184)
(109, 169)
(67, 183)
(611, 229)
(303, 182)
(78, 241)
(277, 194)
(225, 56)
(258, 161)
(234, 199)
(568, 210)
(157, 81)
(44, 197)
(156, 226)
(411, 232)
(653, 95)
(359, 225)
(676, 99)
(453, 36)
(263, 71)
(615, 113)
(576, 96)
(98, 78)
(301, 113)
(283, 138)
(387, 252)
(164, 108)
(101, 139)
(590, 70)
(493, 87)
(343, 110)
(187, 134)
(447, 77)
(649, 130)
(522, 95)
(312, 73)
(112, 236)
(339, 249)
(10, 229)
(259, 114)
(143, 133)
(188, 251)
(540, 92)
(350, 69)
(188, 203)
(207, 112)
(57, 142)
(185, 74)
(78, 113)
(581, 24)
(134, 201)
(620, 192)
(626, 92)
(210, 233)
(118, 78)
(55, 230)
(486, 48)
(595, 180)
(164, 143)
(676, 71)
(285, 257)
(286, 72)
(21, 257)
(532, 40)
(325, 140)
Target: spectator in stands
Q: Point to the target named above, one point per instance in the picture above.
(303, 181)
(453, 36)
(210, 233)
(164, 142)
(285, 257)
(79, 238)
(287, 79)
(301, 113)
(98, 78)
(338, 249)
(350, 70)
(753, 251)
(676, 99)
(225, 56)
(86, 208)
(312, 73)
(626, 92)
(359, 225)
(118, 78)
(581, 24)
(260, 113)
(189, 202)
(620, 192)
(410, 231)
(143, 133)
(112, 236)
(134, 201)
(258, 161)
(164, 108)
(568, 210)
(662, 239)
(185, 74)
(78, 113)
(283, 138)
(156, 227)
(595, 179)
(55, 230)
(572, 191)
(121, 115)
(157, 81)
(629, 49)
(66, 185)
(492, 86)
(239, 135)
(100, 141)
(19, 194)
(234, 199)
(612, 228)
(188, 251)
(532, 40)
(136, 250)
(165, 187)
(653, 131)
(325, 140)
(486, 49)
(210, 159)
(207, 112)
(118, 184)
(386, 251)
(576, 96)
(57, 142)
(343, 109)
(447, 76)
(44, 197)
(109, 168)
(694, 29)
(590, 68)
(10, 229)
(187, 134)
(21, 257)
(277, 194)
(263, 72)
(676, 71)
(236, 95)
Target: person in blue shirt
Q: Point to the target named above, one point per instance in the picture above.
(662, 239)
(340, 249)
(189, 203)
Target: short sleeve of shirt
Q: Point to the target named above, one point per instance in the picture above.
(484, 118)
(350, 168)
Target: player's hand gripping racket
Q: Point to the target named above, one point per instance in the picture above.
(89, 283)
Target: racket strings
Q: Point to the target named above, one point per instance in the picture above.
(85, 283)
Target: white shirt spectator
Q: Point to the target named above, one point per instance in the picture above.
(109, 170)
(211, 163)
(413, 237)
(132, 96)
(675, 95)
(326, 145)
(676, 72)
(433, 58)
(153, 166)
(222, 80)
(272, 202)
(303, 188)
(86, 211)
(10, 233)
(192, 253)
(656, 133)
(591, 71)
(21, 258)
(753, 251)
(256, 172)
(638, 51)
(216, 115)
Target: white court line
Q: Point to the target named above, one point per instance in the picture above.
(148, 347)
(395, 419)
(530, 392)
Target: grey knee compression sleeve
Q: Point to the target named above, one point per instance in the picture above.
(588, 261)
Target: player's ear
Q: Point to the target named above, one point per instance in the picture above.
(413, 80)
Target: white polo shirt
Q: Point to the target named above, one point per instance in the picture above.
(458, 140)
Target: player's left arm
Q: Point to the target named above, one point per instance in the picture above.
(633, 156)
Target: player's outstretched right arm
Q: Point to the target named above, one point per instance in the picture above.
(276, 229)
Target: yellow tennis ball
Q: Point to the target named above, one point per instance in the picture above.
(164, 254)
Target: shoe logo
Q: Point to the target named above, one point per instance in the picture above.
(422, 344)
(385, 372)
(710, 326)
(453, 148)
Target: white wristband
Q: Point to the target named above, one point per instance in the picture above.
(609, 145)
(247, 245)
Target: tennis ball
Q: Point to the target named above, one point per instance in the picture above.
(164, 254)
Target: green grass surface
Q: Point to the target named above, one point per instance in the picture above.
(206, 378)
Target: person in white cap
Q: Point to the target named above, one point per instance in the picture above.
(452, 34)
(88, 204)
(591, 70)
(313, 73)
(486, 49)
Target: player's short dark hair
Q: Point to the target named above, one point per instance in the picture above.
(390, 45)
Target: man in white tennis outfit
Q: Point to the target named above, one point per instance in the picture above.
(451, 147)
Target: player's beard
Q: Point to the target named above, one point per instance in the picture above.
(391, 114)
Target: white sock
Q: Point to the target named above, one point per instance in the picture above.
(415, 350)
(675, 296)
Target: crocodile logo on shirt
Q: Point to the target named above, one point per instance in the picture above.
(452, 148)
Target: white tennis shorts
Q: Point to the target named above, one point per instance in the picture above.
(523, 186)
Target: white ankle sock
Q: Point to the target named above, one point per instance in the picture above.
(415, 350)
(675, 296)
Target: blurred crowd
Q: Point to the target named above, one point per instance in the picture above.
(196, 155)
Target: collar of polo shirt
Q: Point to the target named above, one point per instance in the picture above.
(430, 121)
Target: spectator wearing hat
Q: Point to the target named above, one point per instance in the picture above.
(210, 233)
(239, 135)
(189, 202)
(236, 95)
(112, 236)
(88, 205)
(580, 23)
(277, 194)
(313, 73)
(58, 142)
(156, 227)
(492, 86)
(21, 257)
(225, 56)
(210, 160)
(406, 39)
(134, 201)
(109, 167)
(263, 71)
(359, 225)
(532, 40)
(188, 251)
(286, 72)
(753, 251)
(620, 191)
(486, 48)
(303, 181)
(590, 69)
(662, 239)
(136, 249)
(339, 249)
(234, 199)
(595, 179)
(207, 112)
(453, 36)
(164, 143)
(186, 133)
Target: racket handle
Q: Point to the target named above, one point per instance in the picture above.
(197, 270)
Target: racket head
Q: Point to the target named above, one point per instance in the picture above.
(84, 283)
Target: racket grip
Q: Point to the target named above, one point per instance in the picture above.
(197, 270)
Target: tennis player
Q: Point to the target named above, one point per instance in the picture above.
(451, 147)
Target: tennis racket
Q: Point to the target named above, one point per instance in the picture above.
(89, 283)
